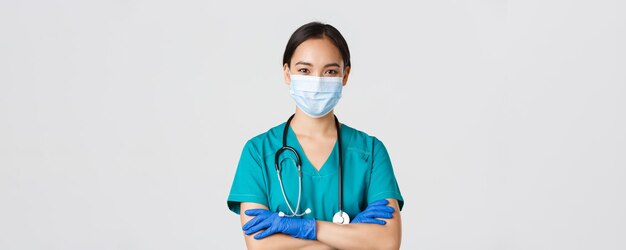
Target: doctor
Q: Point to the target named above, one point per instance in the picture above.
(312, 181)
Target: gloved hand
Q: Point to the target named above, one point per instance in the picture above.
(376, 209)
(272, 223)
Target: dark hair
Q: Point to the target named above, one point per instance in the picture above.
(316, 30)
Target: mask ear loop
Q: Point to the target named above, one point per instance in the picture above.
(343, 74)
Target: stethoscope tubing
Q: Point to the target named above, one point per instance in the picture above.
(299, 167)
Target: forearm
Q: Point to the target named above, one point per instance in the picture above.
(358, 236)
(282, 241)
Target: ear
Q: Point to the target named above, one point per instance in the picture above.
(286, 74)
(345, 76)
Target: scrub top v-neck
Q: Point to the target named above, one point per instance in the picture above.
(292, 140)
(367, 175)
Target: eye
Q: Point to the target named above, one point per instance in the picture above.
(331, 72)
(303, 70)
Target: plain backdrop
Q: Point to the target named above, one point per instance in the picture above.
(121, 122)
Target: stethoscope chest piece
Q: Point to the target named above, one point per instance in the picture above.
(341, 217)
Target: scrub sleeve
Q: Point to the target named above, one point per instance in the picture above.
(383, 184)
(249, 184)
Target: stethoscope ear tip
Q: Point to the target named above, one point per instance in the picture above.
(281, 214)
(307, 211)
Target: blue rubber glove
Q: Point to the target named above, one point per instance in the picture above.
(376, 209)
(272, 223)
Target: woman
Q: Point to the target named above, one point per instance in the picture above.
(267, 186)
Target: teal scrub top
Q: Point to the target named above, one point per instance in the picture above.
(367, 175)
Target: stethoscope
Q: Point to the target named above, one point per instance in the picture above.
(340, 217)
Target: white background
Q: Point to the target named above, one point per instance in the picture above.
(121, 122)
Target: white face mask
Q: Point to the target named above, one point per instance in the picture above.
(316, 96)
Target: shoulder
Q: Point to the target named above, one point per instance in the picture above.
(361, 141)
(266, 140)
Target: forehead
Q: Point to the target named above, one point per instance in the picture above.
(317, 51)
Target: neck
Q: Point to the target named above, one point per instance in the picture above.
(314, 127)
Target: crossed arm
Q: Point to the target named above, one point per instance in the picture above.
(331, 235)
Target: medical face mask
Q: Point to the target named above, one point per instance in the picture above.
(316, 96)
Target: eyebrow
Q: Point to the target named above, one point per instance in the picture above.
(309, 64)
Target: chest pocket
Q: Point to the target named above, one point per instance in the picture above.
(357, 172)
